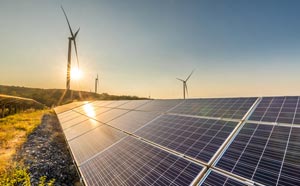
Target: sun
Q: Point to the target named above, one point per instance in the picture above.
(76, 74)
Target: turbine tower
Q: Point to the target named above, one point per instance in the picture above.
(184, 84)
(96, 84)
(72, 38)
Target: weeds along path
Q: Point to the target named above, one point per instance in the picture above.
(45, 153)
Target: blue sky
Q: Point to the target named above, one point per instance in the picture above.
(238, 48)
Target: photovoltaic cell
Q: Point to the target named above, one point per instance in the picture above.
(110, 115)
(102, 103)
(216, 179)
(133, 162)
(91, 110)
(134, 104)
(81, 128)
(86, 146)
(195, 137)
(63, 108)
(233, 108)
(267, 154)
(77, 118)
(116, 104)
(159, 105)
(133, 120)
(278, 109)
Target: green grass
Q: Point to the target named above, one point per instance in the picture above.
(14, 130)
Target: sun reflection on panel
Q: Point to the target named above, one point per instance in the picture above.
(89, 110)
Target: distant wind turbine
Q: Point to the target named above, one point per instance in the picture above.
(96, 84)
(184, 84)
(72, 38)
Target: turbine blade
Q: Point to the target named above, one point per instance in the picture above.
(76, 33)
(189, 76)
(180, 79)
(75, 46)
(67, 21)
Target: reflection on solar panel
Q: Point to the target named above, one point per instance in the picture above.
(216, 179)
(266, 154)
(110, 115)
(133, 120)
(234, 108)
(198, 138)
(67, 107)
(132, 162)
(89, 144)
(134, 104)
(278, 109)
(162, 142)
(81, 128)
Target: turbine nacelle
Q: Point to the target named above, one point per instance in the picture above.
(184, 82)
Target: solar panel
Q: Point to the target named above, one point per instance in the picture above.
(63, 108)
(195, 137)
(159, 105)
(217, 179)
(117, 103)
(71, 121)
(277, 109)
(110, 115)
(102, 103)
(267, 154)
(81, 128)
(132, 162)
(89, 144)
(91, 110)
(266, 149)
(134, 104)
(133, 120)
(233, 108)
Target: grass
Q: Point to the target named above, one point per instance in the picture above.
(14, 130)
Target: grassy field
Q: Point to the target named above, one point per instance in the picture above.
(13, 133)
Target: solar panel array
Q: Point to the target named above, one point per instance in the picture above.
(215, 141)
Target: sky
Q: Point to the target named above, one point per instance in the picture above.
(139, 47)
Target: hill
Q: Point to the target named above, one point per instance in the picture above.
(54, 97)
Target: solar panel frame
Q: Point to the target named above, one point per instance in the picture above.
(215, 178)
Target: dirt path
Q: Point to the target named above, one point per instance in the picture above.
(45, 154)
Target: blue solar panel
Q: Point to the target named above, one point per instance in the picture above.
(278, 109)
(216, 179)
(132, 162)
(267, 154)
(159, 105)
(233, 108)
(133, 120)
(195, 137)
(89, 144)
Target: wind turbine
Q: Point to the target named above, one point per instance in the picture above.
(72, 38)
(96, 84)
(184, 84)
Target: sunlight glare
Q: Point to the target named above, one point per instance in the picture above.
(76, 74)
(89, 110)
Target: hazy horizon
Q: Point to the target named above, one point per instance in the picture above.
(237, 48)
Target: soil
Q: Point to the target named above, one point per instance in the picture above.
(46, 154)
